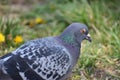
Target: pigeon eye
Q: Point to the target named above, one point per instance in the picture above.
(83, 31)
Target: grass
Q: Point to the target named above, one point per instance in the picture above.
(99, 60)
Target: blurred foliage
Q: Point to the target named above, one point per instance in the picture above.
(100, 59)
(9, 29)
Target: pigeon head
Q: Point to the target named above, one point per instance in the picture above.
(80, 32)
(76, 32)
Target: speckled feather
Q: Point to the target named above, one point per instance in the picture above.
(43, 58)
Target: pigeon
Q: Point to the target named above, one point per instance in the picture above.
(49, 58)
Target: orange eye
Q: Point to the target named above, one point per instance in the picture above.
(82, 31)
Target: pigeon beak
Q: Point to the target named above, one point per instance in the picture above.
(88, 37)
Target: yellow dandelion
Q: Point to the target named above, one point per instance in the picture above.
(18, 39)
(2, 38)
(39, 20)
(31, 23)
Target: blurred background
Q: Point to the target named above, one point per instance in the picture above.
(23, 20)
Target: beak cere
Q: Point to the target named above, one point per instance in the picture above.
(88, 38)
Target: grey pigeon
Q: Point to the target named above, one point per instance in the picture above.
(50, 58)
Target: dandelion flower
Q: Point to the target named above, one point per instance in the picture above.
(39, 20)
(18, 39)
(31, 24)
(2, 38)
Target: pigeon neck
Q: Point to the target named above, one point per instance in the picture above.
(72, 45)
(69, 39)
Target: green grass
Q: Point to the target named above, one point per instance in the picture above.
(100, 59)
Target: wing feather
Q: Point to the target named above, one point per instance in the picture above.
(45, 58)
